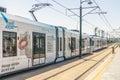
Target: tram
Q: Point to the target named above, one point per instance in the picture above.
(25, 44)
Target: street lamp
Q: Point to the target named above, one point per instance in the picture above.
(80, 36)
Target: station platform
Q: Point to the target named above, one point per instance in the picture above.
(113, 70)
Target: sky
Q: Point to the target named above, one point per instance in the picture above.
(56, 15)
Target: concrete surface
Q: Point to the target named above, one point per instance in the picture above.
(113, 71)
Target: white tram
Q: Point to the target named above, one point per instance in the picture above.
(97, 42)
(25, 44)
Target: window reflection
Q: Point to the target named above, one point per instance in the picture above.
(9, 44)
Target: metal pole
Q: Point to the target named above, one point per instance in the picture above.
(113, 51)
(33, 16)
(80, 41)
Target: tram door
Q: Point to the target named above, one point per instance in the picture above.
(59, 42)
(38, 48)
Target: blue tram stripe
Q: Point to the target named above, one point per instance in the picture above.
(4, 17)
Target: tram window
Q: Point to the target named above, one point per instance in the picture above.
(73, 44)
(60, 44)
(69, 43)
(91, 42)
(77, 44)
(64, 43)
(83, 43)
(98, 43)
(42, 45)
(57, 44)
(9, 44)
(38, 45)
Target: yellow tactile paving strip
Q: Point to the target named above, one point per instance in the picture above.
(100, 73)
(92, 75)
(72, 70)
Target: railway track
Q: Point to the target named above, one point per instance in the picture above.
(64, 70)
(77, 65)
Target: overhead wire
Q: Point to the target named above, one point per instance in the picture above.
(62, 13)
(66, 8)
(110, 26)
(104, 22)
(92, 25)
(73, 12)
(78, 15)
(100, 16)
(73, 18)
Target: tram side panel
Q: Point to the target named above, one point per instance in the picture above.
(11, 59)
(93, 43)
(38, 45)
(67, 44)
(85, 44)
(24, 52)
(1, 52)
(74, 46)
(1, 45)
(77, 44)
(51, 45)
(71, 43)
(104, 42)
(96, 44)
(43, 44)
(25, 46)
(59, 44)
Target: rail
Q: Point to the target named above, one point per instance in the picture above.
(111, 48)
